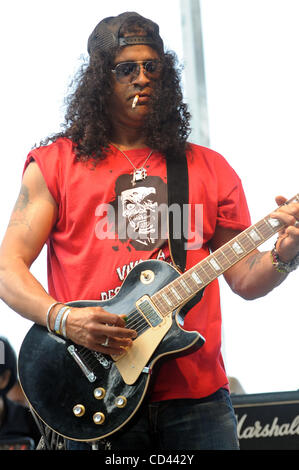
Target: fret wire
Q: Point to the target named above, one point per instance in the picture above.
(224, 262)
(184, 283)
(202, 273)
(167, 292)
(212, 260)
(216, 257)
(246, 238)
(167, 299)
(260, 227)
(264, 229)
(189, 281)
(238, 241)
(176, 290)
(227, 250)
(276, 227)
(267, 226)
(206, 271)
(171, 296)
(259, 232)
(157, 301)
(182, 291)
(160, 303)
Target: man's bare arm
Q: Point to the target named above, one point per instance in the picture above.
(31, 222)
(255, 275)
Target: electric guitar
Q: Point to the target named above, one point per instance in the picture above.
(86, 395)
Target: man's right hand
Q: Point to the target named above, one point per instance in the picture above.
(93, 327)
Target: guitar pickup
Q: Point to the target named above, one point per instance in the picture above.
(149, 311)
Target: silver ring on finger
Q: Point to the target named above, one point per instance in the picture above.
(106, 342)
(296, 224)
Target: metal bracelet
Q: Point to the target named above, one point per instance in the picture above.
(58, 319)
(63, 323)
(48, 315)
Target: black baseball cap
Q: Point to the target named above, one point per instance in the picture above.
(107, 34)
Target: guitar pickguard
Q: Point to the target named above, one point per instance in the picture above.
(132, 363)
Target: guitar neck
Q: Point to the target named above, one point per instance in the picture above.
(182, 289)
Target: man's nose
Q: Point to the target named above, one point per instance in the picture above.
(141, 78)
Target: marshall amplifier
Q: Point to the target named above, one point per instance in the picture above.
(268, 421)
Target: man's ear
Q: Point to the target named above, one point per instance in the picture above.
(4, 378)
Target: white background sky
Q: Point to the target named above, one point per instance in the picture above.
(252, 73)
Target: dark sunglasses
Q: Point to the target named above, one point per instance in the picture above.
(127, 72)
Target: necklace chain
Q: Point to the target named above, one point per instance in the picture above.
(139, 174)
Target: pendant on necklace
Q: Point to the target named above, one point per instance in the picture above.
(139, 175)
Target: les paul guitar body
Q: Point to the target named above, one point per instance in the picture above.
(83, 395)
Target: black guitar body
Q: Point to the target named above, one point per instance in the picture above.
(55, 383)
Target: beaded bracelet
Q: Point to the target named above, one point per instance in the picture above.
(282, 267)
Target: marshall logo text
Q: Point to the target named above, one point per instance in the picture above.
(274, 429)
(268, 421)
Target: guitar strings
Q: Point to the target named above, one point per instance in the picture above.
(135, 321)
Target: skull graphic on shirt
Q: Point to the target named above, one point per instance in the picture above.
(139, 207)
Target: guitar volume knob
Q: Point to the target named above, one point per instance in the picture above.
(99, 393)
(120, 401)
(98, 418)
(79, 410)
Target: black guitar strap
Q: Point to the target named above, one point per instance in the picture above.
(178, 194)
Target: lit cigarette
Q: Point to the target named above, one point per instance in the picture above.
(135, 101)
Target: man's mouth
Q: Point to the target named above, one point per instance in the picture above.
(142, 99)
(139, 99)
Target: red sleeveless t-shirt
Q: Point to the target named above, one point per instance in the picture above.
(106, 226)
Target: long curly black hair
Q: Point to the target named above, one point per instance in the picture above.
(88, 121)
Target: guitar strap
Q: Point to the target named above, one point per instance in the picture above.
(178, 195)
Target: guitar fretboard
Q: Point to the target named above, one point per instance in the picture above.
(195, 279)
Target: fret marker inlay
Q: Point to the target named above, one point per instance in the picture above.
(196, 278)
(185, 286)
(237, 248)
(175, 293)
(215, 265)
(254, 235)
(274, 222)
(167, 299)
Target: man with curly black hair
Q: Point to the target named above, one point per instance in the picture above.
(95, 193)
